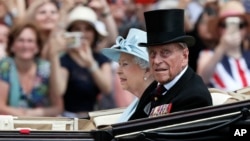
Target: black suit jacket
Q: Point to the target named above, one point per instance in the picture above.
(189, 92)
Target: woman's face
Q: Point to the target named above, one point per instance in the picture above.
(130, 73)
(87, 30)
(47, 16)
(203, 27)
(25, 45)
(3, 9)
(241, 28)
(4, 34)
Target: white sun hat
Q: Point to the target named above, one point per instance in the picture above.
(83, 13)
(128, 45)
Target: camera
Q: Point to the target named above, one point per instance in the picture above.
(232, 23)
(73, 39)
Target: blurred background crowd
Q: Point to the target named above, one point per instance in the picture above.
(39, 76)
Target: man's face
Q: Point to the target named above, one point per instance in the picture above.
(167, 61)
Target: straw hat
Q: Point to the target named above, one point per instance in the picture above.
(83, 13)
(229, 9)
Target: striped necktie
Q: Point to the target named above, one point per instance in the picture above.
(158, 92)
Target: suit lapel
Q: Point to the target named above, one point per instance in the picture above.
(178, 86)
(146, 97)
(144, 100)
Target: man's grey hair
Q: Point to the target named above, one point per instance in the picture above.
(184, 45)
(141, 62)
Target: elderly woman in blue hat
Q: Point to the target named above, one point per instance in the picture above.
(133, 67)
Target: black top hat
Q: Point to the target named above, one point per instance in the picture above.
(166, 26)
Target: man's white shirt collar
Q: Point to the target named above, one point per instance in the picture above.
(167, 86)
(172, 82)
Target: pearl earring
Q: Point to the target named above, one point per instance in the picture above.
(145, 78)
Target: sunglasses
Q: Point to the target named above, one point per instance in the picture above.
(241, 25)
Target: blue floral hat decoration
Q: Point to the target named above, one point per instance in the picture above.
(128, 45)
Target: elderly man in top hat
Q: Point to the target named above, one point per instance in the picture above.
(177, 86)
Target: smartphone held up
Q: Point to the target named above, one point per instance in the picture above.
(232, 24)
(73, 39)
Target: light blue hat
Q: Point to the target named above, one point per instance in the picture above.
(128, 45)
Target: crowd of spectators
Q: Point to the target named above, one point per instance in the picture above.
(52, 79)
